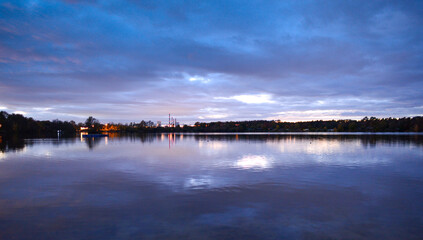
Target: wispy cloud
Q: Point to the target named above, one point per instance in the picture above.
(199, 79)
(250, 98)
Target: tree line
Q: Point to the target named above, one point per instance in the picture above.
(372, 124)
(18, 124)
(11, 124)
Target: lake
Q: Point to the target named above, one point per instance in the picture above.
(213, 186)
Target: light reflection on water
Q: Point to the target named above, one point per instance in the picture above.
(216, 186)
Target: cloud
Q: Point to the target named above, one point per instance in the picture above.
(199, 79)
(214, 116)
(250, 98)
(127, 61)
(308, 115)
(20, 112)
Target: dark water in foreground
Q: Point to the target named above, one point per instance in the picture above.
(213, 187)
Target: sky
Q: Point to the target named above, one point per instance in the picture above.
(127, 61)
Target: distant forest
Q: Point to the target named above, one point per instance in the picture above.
(17, 124)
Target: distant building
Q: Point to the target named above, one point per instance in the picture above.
(159, 123)
(172, 122)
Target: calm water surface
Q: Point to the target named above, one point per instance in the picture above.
(213, 187)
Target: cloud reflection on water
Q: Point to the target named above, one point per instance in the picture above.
(253, 162)
(244, 187)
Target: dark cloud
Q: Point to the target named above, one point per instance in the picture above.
(199, 59)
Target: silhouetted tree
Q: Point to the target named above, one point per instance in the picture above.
(93, 124)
